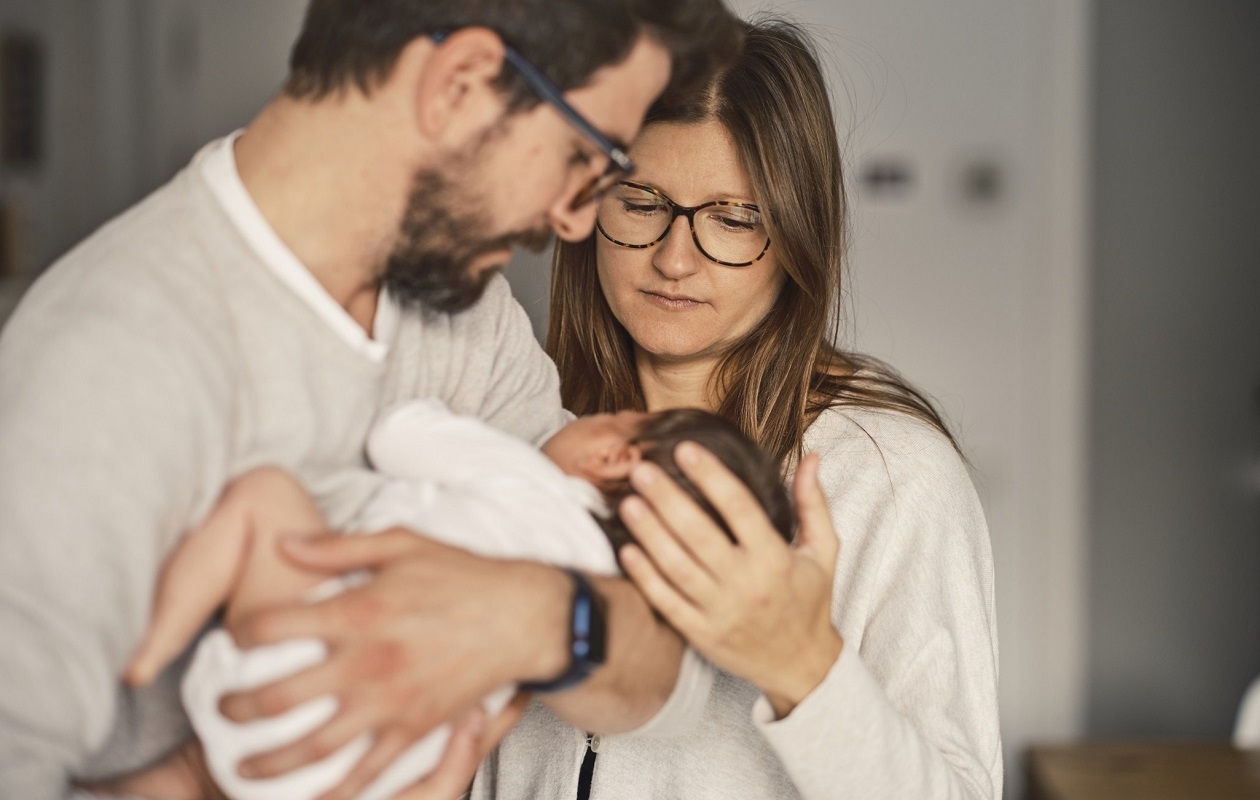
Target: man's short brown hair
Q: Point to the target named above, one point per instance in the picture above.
(347, 43)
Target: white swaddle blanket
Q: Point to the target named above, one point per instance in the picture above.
(455, 479)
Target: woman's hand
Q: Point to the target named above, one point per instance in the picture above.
(180, 776)
(756, 607)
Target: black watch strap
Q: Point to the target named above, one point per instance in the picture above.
(588, 637)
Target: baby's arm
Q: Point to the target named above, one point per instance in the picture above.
(231, 559)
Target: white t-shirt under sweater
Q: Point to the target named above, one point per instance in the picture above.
(909, 710)
(179, 346)
(457, 480)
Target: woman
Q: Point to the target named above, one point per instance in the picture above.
(712, 281)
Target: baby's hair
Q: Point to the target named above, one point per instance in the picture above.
(666, 430)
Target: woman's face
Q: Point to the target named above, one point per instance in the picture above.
(677, 305)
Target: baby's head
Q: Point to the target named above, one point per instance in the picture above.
(604, 448)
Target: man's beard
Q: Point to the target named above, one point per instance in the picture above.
(438, 241)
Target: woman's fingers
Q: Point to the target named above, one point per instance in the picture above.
(498, 726)
(817, 534)
(678, 565)
(728, 495)
(681, 517)
(660, 594)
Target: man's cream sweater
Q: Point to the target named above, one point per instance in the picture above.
(177, 347)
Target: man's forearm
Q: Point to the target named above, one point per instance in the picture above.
(532, 616)
(640, 670)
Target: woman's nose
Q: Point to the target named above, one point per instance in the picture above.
(676, 256)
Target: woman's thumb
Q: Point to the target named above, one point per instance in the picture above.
(816, 535)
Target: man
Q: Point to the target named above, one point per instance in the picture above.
(261, 309)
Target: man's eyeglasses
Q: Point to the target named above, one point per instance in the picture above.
(619, 164)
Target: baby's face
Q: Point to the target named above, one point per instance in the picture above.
(589, 447)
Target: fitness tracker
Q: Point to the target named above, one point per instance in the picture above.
(588, 637)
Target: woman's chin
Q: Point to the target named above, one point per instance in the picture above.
(674, 351)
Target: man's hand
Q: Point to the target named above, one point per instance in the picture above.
(183, 774)
(472, 739)
(434, 631)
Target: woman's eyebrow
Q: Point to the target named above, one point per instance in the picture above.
(730, 197)
(735, 197)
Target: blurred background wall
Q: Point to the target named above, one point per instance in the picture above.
(1174, 545)
(131, 89)
(1056, 233)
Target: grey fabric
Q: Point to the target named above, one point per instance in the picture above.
(909, 710)
(151, 364)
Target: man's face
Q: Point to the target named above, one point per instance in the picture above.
(514, 186)
(444, 255)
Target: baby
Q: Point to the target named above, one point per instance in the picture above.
(454, 479)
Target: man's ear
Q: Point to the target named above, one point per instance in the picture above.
(613, 464)
(454, 94)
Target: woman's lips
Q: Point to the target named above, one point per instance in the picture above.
(672, 302)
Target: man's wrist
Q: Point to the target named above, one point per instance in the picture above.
(546, 619)
(587, 640)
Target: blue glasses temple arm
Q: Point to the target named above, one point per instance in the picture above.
(548, 91)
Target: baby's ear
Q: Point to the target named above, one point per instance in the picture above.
(615, 463)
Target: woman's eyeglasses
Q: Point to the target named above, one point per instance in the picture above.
(729, 233)
(619, 163)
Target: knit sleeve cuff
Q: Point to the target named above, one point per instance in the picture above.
(839, 716)
(838, 680)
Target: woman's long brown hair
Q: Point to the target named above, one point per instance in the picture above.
(783, 373)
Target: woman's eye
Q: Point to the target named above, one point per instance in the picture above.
(644, 209)
(739, 224)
